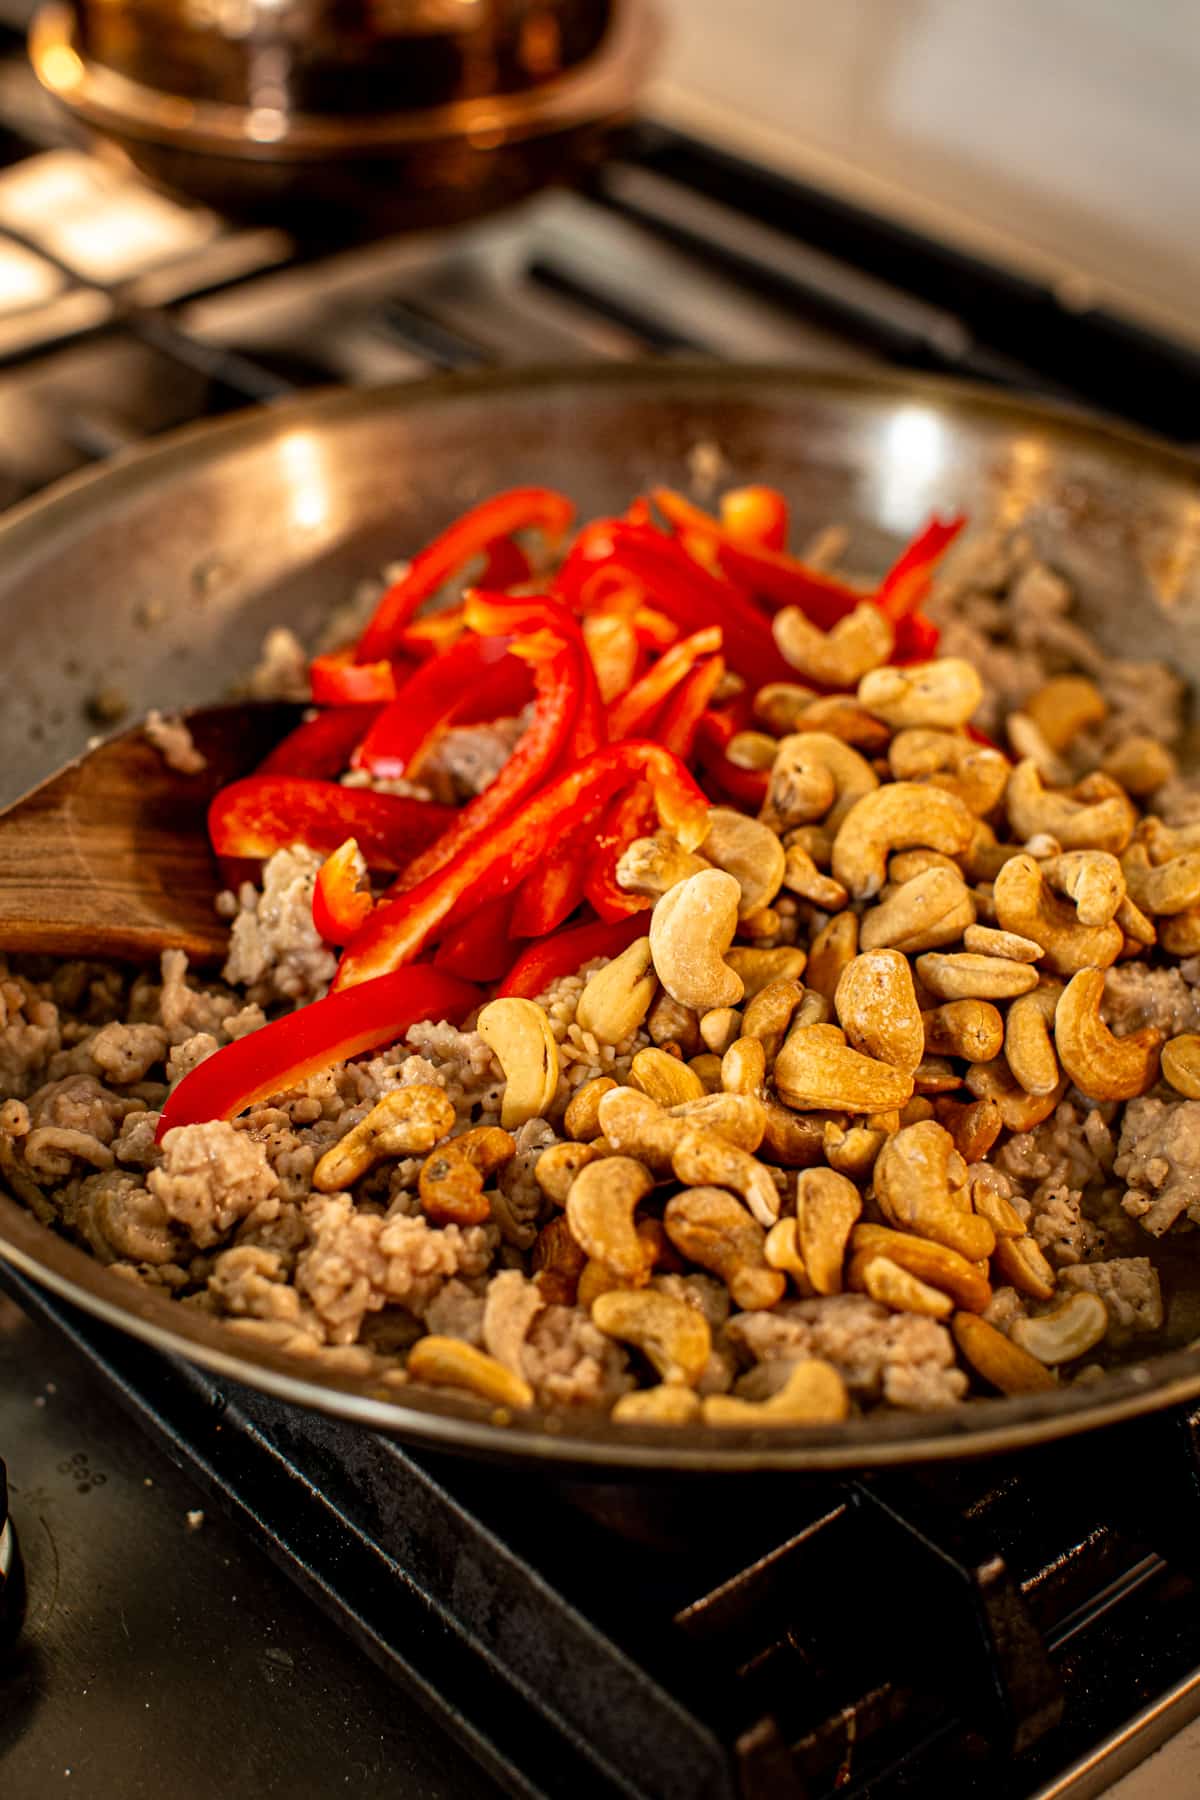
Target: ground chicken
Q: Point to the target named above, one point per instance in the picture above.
(184, 1010)
(1158, 1158)
(1135, 996)
(174, 743)
(1129, 1287)
(512, 1304)
(210, 1177)
(457, 1311)
(275, 950)
(253, 1282)
(898, 1357)
(118, 1217)
(358, 1262)
(569, 1362)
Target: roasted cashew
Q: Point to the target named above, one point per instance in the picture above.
(995, 1207)
(600, 1207)
(972, 1029)
(1102, 1066)
(1064, 706)
(597, 1278)
(835, 945)
(779, 705)
(558, 1165)
(931, 908)
(744, 1067)
(1136, 926)
(1165, 888)
(691, 928)
(1069, 1330)
(966, 1283)
(670, 1024)
(920, 1184)
(1181, 1064)
(813, 1394)
(815, 776)
(450, 1362)
(969, 977)
(1021, 1263)
(738, 1118)
(758, 968)
(901, 816)
(1180, 935)
(770, 1012)
(974, 1125)
(1080, 819)
(703, 1159)
(936, 1075)
(1093, 879)
(817, 1071)
(751, 750)
(452, 1179)
(841, 716)
(802, 876)
(711, 1228)
(582, 1117)
(674, 1337)
(853, 1149)
(708, 1069)
(664, 1078)
(988, 940)
(941, 694)
(860, 641)
(407, 1122)
(1028, 1043)
(558, 1262)
(827, 1209)
(975, 772)
(666, 1404)
(1141, 765)
(782, 1251)
(1001, 1362)
(636, 1126)
(720, 1027)
(1019, 1110)
(519, 1036)
(887, 1283)
(749, 851)
(876, 1006)
(1026, 905)
(618, 996)
(653, 865)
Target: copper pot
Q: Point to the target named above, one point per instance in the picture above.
(371, 113)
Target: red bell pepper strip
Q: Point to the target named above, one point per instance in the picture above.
(543, 964)
(474, 679)
(431, 635)
(680, 718)
(757, 516)
(654, 630)
(747, 787)
(917, 639)
(551, 891)
(337, 680)
(907, 581)
(549, 639)
(505, 565)
(480, 947)
(433, 566)
(632, 714)
(631, 815)
(321, 747)
(341, 899)
(494, 863)
(287, 1051)
(264, 813)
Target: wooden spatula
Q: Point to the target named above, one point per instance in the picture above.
(109, 857)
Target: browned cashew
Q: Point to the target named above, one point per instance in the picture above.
(691, 929)
(666, 1404)
(749, 851)
(1093, 879)
(988, 940)
(901, 816)
(770, 1012)
(835, 945)
(1064, 706)
(860, 641)
(972, 1029)
(1080, 819)
(970, 977)
(668, 1081)
(617, 997)
(1181, 1064)
(976, 773)
(1020, 1111)
(841, 716)
(653, 865)
(518, 1034)
(931, 908)
(1102, 1066)
(450, 1362)
(582, 1117)
(744, 1067)
(940, 694)
(887, 1283)
(757, 968)
(674, 1337)
(751, 750)
(920, 1184)
(1001, 1362)
(802, 876)
(1141, 765)
(876, 1006)
(815, 776)
(816, 1070)
(1020, 1262)
(813, 1394)
(711, 1228)
(783, 1252)
(600, 1211)
(452, 1179)
(852, 1149)
(1166, 888)
(1072, 1328)
(706, 1160)
(720, 1027)
(974, 1125)
(827, 1209)
(779, 705)
(965, 1282)
(1025, 904)
(558, 1262)
(559, 1164)
(1028, 1044)
(738, 1118)
(407, 1122)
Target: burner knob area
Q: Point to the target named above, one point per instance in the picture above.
(11, 1585)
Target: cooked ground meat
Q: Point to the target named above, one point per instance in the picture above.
(210, 1177)
(1134, 996)
(275, 951)
(898, 1357)
(172, 739)
(1129, 1287)
(1158, 1158)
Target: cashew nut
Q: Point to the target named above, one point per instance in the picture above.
(818, 1071)
(987, 940)
(972, 1029)
(1181, 1064)
(1082, 818)
(841, 716)
(782, 1251)
(931, 908)
(664, 1078)
(617, 997)
(813, 1394)
(853, 1149)
(1102, 1066)
(1026, 905)
(675, 1337)
(751, 750)
(450, 1362)
(969, 977)
(600, 1207)
(779, 705)
(691, 928)
(673, 1027)
(653, 865)
(901, 816)
(890, 1285)
(711, 1228)
(1021, 1263)
(738, 1118)
(407, 1122)
(558, 1262)
(1141, 765)
(936, 1264)
(827, 1209)
(703, 1159)
(518, 1034)
(1166, 888)
(1028, 1044)
(939, 694)
(1093, 879)
(1064, 706)
(920, 1182)
(720, 1027)
(1069, 1330)
(1020, 1111)
(557, 1167)
(747, 850)
(835, 945)
(876, 1006)
(582, 1117)
(757, 968)
(860, 641)
(802, 876)
(667, 1404)
(744, 1067)
(770, 1012)
(815, 776)
(974, 1125)
(1001, 1362)
(976, 773)
(452, 1179)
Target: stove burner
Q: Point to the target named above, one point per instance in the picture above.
(11, 1584)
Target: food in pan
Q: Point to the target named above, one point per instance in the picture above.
(666, 977)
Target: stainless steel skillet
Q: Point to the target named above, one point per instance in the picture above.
(160, 573)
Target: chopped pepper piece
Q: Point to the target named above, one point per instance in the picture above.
(474, 679)
(337, 680)
(631, 815)
(321, 747)
(480, 947)
(341, 899)
(757, 516)
(543, 964)
(264, 813)
(289, 1050)
(680, 718)
(632, 714)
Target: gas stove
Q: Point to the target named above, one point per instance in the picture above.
(1027, 1627)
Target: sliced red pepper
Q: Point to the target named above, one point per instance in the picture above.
(474, 679)
(907, 581)
(549, 639)
(264, 813)
(505, 565)
(433, 566)
(539, 967)
(431, 635)
(289, 1050)
(337, 680)
(494, 864)
(746, 787)
(551, 891)
(341, 899)
(917, 639)
(680, 717)
(631, 715)
(757, 516)
(612, 648)
(631, 815)
(321, 747)
(479, 948)
(654, 630)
